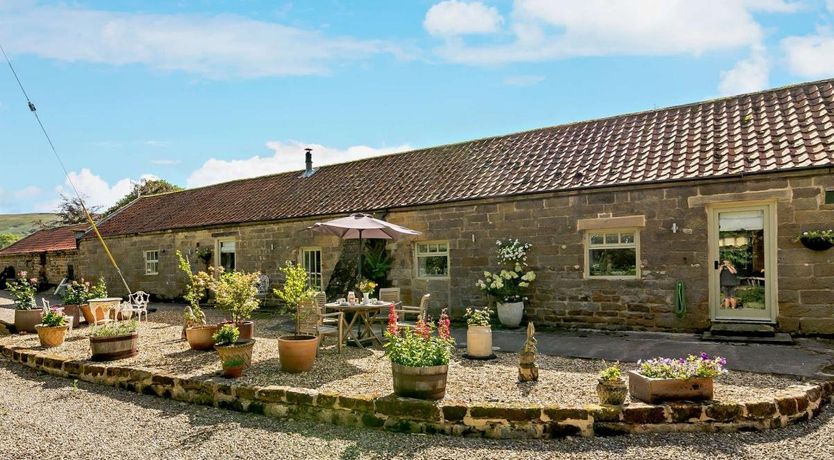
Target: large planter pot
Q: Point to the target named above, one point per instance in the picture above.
(246, 328)
(89, 317)
(113, 348)
(199, 337)
(612, 393)
(510, 313)
(240, 351)
(428, 382)
(658, 390)
(479, 341)
(51, 336)
(26, 320)
(297, 352)
(75, 312)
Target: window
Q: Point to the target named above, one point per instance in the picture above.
(829, 196)
(311, 261)
(432, 259)
(612, 254)
(226, 255)
(151, 262)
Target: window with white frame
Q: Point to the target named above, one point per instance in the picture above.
(152, 262)
(311, 261)
(432, 259)
(226, 255)
(612, 253)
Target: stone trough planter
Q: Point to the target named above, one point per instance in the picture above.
(659, 390)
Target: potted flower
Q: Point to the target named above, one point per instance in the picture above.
(86, 291)
(478, 333)
(817, 240)
(664, 379)
(75, 297)
(235, 354)
(53, 329)
(297, 352)
(366, 287)
(197, 332)
(116, 340)
(235, 293)
(419, 359)
(23, 290)
(611, 387)
(508, 285)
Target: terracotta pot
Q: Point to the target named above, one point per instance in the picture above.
(232, 372)
(510, 313)
(75, 312)
(612, 393)
(199, 337)
(26, 320)
(113, 348)
(88, 314)
(246, 328)
(427, 382)
(479, 341)
(297, 352)
(242, 350)
(51, 336)
(659, 390)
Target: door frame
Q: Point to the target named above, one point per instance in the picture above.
(771, 265)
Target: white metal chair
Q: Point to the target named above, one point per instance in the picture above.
(263, 285)
(45, 305)
(138, 304)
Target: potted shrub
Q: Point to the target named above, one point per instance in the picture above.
(664, 379)
(74, 297)
(86, 291)
(197, 332)
(817, 240)
(508, 285)
(235, 354)
(235, 293)
(419, 359)
(478, 333)
(366, 287)
(116, 340)
(23, 290)
(297, 352)
(53, 329)
(611, 387)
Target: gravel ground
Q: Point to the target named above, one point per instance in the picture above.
(46, 417)
(567, 382)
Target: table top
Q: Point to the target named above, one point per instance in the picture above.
(356, 306)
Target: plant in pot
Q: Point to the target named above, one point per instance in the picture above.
(196, 331)
(75, 297)
(665, 379)
(116, 340)
(419, 358)
(478, 333)
(366, 287)
(235, 354)
(86, 291)
(235, 293)
(611, 387)
(23, 290)
(817, 240)
(297, 352)
(53, 329)
(507, 286)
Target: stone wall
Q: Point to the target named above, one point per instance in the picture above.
(561, 295)
(52, 265)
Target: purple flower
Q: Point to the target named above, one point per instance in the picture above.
(704, 356)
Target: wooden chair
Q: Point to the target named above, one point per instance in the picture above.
(417, 312)
(389, 295)
(313, 321)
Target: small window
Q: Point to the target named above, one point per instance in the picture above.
(612, 254)
(432, 259)
(311, 261)
(226, 255)
(829, 196)
(151, 262)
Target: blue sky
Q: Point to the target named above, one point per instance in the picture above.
(205, 91)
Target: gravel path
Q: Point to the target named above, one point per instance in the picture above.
(40, 412)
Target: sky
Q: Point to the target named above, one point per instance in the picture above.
(201, 92)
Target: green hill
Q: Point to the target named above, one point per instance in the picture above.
(24, 224)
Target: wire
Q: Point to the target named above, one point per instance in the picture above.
(34, 111)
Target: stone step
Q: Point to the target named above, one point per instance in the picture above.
(745, 329)
(779, 338)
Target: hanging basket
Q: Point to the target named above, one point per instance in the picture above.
(816, 244)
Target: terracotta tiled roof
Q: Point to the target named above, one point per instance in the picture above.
(48, 239)
(780, 129)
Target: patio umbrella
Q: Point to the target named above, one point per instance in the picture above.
(363, 226)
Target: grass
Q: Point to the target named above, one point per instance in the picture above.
(24, 224)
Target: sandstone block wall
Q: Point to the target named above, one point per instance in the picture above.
(52, 265)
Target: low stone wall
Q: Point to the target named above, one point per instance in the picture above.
(498, 420)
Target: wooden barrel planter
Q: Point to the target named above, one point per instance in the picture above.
(26, 320)
(428, 382)
(113, 348)
(51, 336)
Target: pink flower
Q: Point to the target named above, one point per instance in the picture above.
(23, 274)
(393, 328)
(422, 328)
(443, 326)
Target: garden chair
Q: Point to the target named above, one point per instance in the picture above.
(263, 285)
(46, 305)
(312, 320)
(389, 296)
(137, 303)
(417, 312)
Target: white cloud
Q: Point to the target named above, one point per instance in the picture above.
(830, 5)
(558, 29)
(453, 17)
(27, 192)
(748, 75)
(810, 56)
(216, 46)
(288, 156)
(15, 201)
(93, 188)
(523, 80)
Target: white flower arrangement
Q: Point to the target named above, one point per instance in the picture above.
(506, 285)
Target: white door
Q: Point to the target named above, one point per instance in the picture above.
(742, 243)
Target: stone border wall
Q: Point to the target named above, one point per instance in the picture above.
(500, 420)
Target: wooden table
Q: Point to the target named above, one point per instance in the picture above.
(361, 319)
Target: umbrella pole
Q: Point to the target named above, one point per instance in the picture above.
(360, 255)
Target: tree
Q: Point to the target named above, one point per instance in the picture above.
(142, 188)
(6, 239)
(71, 210)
